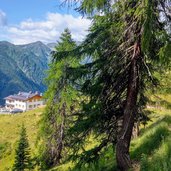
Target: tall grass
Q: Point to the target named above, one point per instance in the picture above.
(160, 160)
(153, 148)
(150, 141)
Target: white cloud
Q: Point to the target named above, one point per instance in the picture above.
(3, 19)
(48, 30)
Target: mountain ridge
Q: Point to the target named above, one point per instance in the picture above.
(22, 67)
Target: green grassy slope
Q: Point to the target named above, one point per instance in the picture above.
(9, 134)
(151, 151)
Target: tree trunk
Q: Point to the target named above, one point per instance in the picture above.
(124, 138)
(59, 138)
(136, 130)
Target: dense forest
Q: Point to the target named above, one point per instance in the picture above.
(101, 91)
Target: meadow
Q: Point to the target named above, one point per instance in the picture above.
(151, 151)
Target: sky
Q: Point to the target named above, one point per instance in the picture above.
(27, 21)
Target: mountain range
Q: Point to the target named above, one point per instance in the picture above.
(23, 67)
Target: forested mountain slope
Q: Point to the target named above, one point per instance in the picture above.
(22, 67)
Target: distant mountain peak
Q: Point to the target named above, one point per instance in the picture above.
(22, 67)
(6, 43)
(51, 45)
(37, 43)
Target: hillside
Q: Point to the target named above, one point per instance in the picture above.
(9, 133)
(151, 151)
(22, 67)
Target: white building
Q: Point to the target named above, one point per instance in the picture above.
(24, 101)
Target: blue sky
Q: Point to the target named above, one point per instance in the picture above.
(25, 21)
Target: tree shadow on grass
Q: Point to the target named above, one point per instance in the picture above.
(165, 104)
(165, 119)
(160, 102)
(149, 141)
(160, 160)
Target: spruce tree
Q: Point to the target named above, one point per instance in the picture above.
(61, 96)
(126, 45)
(22, 156)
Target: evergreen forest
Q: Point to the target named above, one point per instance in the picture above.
(108, 101)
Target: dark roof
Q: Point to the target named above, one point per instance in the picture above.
(22, 96)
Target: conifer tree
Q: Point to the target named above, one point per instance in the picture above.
(60, 103)
(22, 156)
(126, 44)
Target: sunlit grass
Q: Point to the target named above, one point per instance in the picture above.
(160, 159)
(151, 150)
(150, 141)
(9, 134)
